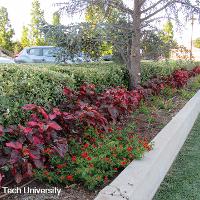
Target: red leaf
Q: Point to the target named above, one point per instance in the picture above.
(14, 145)
(28, 130)
(1, 130)
(29, 107)
(15, 156)
(36, 140)
(1, 178)
(38, 163)
(67, 91)
(25, 130)
(56, 111)
(32, 123)
(18, 178)
(61, 149)
(44, 114)
(29, 169)
(52, 116)
(32, 156)
(54, 126)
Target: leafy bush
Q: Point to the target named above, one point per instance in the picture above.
(20, 85)
(42, 85)
(163, 68)
(77, 137)
(103, 75)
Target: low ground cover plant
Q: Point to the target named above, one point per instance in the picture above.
(78, 137)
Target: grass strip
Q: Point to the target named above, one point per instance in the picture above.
(183, 179)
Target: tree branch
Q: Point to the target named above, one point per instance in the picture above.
(120, 6)
(151, 7)
(157, 11)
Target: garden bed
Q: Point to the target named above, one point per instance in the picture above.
(147, 121)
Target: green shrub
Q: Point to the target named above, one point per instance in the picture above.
(103, 75)
(21, 85)
(163, 68)
(42, 84)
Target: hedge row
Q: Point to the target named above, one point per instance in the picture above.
(163, 68)
(20, 85)
(103, 75)
(42, 84)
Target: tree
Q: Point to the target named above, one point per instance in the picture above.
(6, 30)
(168, 33)
(17, 47)
(25, 41)
(56, 18)
(37, 21)
(197, 43)
(140, 15)
(167, 38)
(152, 45)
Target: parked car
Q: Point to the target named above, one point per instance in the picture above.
(107, 57)
(47, 54)
(39, 54)
(6, 60)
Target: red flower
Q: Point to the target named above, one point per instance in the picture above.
(94, 146)
(46, 173)
(61, 166)
(69, 178)
(123, 163)
(86, 145)
(110, 130)
(131, 156)
(25, 151)
(129, 149)
(107, 159)
(105, 179)
(100, 131)
(74, 158)
(89, 158)
(115, 169)
(91, 165)
(47, 151)
(84, 154)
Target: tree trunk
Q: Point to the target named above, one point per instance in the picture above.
(135, 57)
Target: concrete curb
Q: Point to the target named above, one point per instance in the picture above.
(141, 179)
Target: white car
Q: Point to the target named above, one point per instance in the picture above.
(6, 60)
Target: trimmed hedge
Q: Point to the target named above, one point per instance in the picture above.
(103, 75)
(150, 69)
(20, 85)
(42, 84)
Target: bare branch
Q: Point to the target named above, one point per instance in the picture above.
(158, 10)
(120, 6)
(151, 7)
(155, 19)
(142, 2)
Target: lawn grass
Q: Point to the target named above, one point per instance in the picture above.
(183, 179)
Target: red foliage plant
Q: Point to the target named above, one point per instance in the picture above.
(26, 147)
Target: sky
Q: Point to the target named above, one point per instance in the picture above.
(19, 15)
